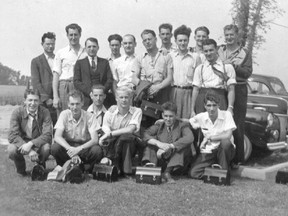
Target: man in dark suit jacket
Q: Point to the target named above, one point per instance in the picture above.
(41, 73)
(92, 70)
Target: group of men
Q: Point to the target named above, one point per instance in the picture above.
(90, 101)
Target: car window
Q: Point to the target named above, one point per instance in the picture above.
(278, 87)
(258, 88)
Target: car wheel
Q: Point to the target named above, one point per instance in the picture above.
(247, 148)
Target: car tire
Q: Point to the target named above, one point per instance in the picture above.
(247, 148)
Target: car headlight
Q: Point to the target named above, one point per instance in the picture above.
(272, 128)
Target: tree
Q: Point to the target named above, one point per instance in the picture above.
(253, 17)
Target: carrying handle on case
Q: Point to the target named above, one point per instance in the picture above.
(216, 166)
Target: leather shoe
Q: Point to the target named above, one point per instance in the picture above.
(74, 175)
(38, 173)
(168, 178)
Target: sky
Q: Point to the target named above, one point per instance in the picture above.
(23, 23)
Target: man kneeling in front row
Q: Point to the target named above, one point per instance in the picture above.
(170, 141)
(76, 135)
(30, 134)
(217, 145)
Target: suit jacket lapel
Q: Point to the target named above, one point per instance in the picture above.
(88, 68)
(44, 62)
(99, 68)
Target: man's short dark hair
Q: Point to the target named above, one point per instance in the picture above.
(115, 37)
(148, 31)
(76, 94)
(182, 30)
(98, 86)
(92, 39)
(231, 27)
(169, 106)
(50, 35)
(211, 96)
(130, 35)
(166, 26)
(31, 92)
(202, 28)
(209, 42)
(73, 26)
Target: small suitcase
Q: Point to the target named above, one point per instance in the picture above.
(282, 176)
(151, 109)
(148, 175)
(103, 172)
(216, 175)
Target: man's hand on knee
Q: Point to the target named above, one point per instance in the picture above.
(73, 151)
(25, 148)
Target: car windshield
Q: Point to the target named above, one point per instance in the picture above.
(278, 87)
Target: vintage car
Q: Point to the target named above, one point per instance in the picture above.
(267, 114)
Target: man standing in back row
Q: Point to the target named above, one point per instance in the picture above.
(63, 69)
(233, 53)
(165, 34)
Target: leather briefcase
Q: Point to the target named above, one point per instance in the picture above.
(148, 175)
(216, 175)
(282, 176)
(151, 109)
(103, 172)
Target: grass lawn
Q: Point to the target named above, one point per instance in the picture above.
(21, 196)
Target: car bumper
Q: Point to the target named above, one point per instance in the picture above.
(277, 145)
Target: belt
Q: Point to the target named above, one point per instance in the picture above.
(66, 80)
(183, 87)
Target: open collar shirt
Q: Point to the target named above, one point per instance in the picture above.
(204, 76)
(183, 68)
(77, 131)
(113, 120)
(153, 70)
(224, 122)
(65, 60)
(122, 70)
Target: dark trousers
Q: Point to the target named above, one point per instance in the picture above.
(90, 156)
(239, 118)
(178, 159)
(18, 158)
(121, 150)
(222, 156)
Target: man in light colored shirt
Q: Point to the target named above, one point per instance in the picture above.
(115, 41)
(233, 53)
(216, 75)
(91, 70)
(184, 64)
(98, 96)
(63, 68)
(201, 34)
(41, 72)
(165, 34)
(76, 135)
(120, 124)
(154, 66)
(217, 145)
(122, 66)
(30, 134)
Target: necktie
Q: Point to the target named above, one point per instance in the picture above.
(35, 129)
(223, 76)
(170, 137)
(93, 64)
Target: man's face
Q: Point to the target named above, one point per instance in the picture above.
(129, 45)
(98, 96)
(165, 35)
(210, 52)
(91, 48)
(48, 45)
(182, 42)
(32, 103)
(149, 41)
(212, 109)
(75, 104)
(123, 99)
(169, 117)
(200, 36)
(230, 37)
(73, 36)
(115, 46)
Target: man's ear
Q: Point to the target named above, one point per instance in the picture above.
(91, 95)
(162, 115)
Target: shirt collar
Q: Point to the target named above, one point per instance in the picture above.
(28, 113)
(158, 52)
(131, 110)
(49, 57)
(90, 58)
(220, 116)
(91, 109)
(217, 62)
(126, 57)
(70, 116)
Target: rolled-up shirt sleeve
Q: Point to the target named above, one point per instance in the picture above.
(136, 119)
